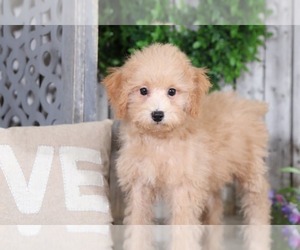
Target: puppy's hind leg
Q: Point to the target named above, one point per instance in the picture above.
(256, 208)
(138, 218)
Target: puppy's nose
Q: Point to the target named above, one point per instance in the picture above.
(157, 116)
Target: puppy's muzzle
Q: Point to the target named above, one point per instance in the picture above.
(157, 116)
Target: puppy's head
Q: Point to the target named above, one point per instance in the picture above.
(157, 89)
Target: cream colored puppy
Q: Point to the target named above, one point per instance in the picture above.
(184, 145)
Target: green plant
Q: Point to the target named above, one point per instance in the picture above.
(224, 50)
(180, 12)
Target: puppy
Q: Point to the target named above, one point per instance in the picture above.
(184, 145)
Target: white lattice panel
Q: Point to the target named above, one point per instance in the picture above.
(30, 75)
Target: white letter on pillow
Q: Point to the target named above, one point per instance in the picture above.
(29, 198)
(73, 178)
(29, 230)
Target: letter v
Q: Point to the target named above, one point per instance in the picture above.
(29, 198)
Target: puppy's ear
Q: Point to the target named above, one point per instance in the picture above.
(201, 87)
(115, 90)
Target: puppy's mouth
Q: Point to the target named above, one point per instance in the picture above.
(158, 123)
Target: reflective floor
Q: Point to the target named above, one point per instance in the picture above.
(231, 237)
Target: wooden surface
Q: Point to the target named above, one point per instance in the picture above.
(115, 194)
(272, 81)
(296, 100)
(251, 84)
(278, 94)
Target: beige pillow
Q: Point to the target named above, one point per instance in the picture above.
(55, 175)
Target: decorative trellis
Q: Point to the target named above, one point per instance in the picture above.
(30, 63)
(48, 68)
(30, 75)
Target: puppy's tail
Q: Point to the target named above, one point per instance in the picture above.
(256, 108)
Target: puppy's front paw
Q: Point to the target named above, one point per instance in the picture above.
(185, 238)
(185, 245)
(137, 245)
(138, 237)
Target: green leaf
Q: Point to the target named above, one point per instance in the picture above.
(287, 190)
(290, 170)
(232, 61)
(196, 45)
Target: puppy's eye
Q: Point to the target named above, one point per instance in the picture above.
(144, 91)
(172, 92)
